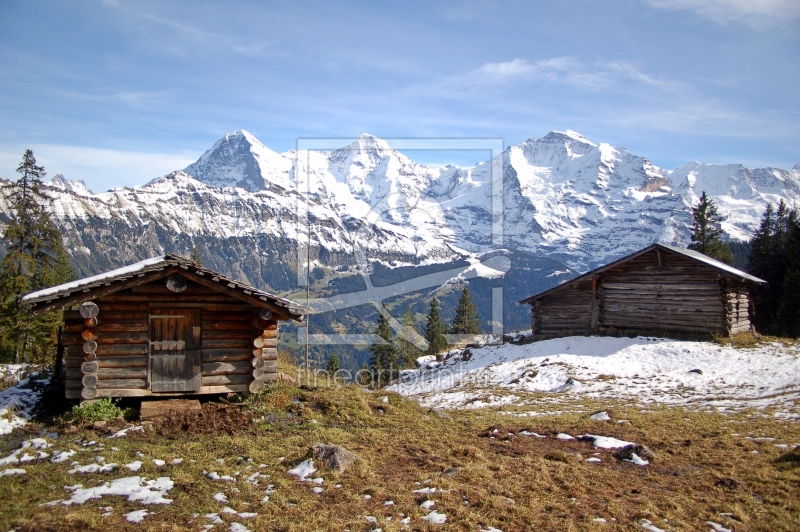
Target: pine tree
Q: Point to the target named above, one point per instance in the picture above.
(769, 259)
(35, 259)
(706, 232)
(407, 352)
(466, 320)
(333, 365)
(434, 330)
(383, 359)
(195, 256)
(788, 313)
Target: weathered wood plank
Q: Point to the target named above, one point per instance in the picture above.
(217, 380)
(222, 335)
(121, 373)
(120, 383)
(226, 355)
(243, 325)
(123, 338)
(222, 368)
(122, 349)
(226, 343)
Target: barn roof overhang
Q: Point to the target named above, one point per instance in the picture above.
(723, 268)
(76, 292)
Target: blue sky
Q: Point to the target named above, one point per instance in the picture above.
(117, 92)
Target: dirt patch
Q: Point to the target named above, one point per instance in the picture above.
(214, 418)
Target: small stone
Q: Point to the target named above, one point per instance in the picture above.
(333, 457)
(98, 424)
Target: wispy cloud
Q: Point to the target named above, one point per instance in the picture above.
(494, 77)
(759, 14)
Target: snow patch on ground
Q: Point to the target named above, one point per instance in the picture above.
(645, 369)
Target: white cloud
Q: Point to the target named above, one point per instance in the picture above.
(756, 13)
(100, 168)
(493, 77)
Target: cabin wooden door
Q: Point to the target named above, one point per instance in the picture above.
(175, 363)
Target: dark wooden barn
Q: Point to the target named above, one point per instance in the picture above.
(660, 288)
(163, 327)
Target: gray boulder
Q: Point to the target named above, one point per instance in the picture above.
(333, 457)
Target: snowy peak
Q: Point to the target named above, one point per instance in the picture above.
(67, 185)
(240, 160)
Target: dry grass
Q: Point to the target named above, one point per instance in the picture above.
(515, 484)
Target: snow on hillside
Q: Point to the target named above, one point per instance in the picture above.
(643, 369)
(564, 197)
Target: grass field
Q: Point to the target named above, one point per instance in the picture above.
(707, 467)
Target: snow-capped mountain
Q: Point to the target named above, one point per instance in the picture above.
(563, 198)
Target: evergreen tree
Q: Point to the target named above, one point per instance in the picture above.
(706, 232)
(769, 260)
(195, 256)
(407, 352)
(789, 307)
(466, 320)
(383, 359)
(35, 259)
(434, 330)
(333, 365)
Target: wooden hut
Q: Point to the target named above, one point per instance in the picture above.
(165, 326)
(659, 288)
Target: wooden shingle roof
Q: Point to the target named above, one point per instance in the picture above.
(68, 294)
(726, 269)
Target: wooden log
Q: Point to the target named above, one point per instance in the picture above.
(121, 383)
(226, 355)
(73, 384)
(107, 327)
(90, 357)
(90, 334)
(266, 333)
(266, 314)
(122, 306)
(123, 338)
(109, 362)
(216, 380)
(120, 373)
(269, 367)
(227, 325)
(227, 343)
(221, 335)
(89, 367)
(227, 316)
(89, 347)
(257, 362)
(122, 349)
(175, 283)
(261, 342)
(89, 381)
(125, 316)
(269, 354)
(89, 310)
(90, 322)
(89, 393)
(222, 368)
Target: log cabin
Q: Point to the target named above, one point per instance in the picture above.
(659, 289)
(165, 326)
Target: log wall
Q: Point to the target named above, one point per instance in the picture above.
(109, 357)
(655, 291)
(566, 311)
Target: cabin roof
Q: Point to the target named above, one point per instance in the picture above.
(86, 289)
(694, 255)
